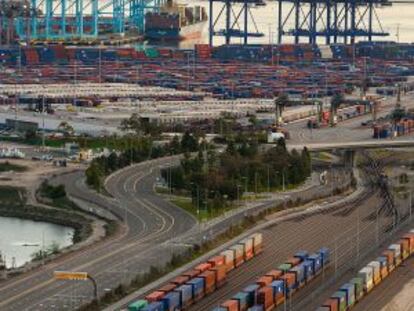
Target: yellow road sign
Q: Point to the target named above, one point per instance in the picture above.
(69, 275)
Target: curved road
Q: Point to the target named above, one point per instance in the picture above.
(150, 222)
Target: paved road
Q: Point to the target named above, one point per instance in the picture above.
(151, 221)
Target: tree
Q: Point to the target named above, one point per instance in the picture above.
(189, 143)
(397, 114)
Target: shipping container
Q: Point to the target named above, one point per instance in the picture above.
(221, 275)
(299, 272)
(198, 288)
(275, 274)
(264, 281)
(239, 254)
(285, 267)
(359, 287)
(332, 304)
(279, 292)
(265, 298)
(317, 262)
(167, 287)
(349, 289)
(191, 273)
(325, 255)
(247, 244)
(172, 301)
(302, 255)
(154, 306)
(367, 275)
(209, 281)
(384, 266)
(290, 282)
(203, 267)
(293, 261)
(257, 243)
(376, 266)
(179, 280)
(396, 248)
(410, 238)
(308, 266)
(243, 301)
(231, 305)
(340, 296)
(405, 248)
(137, 305)
(186, 295)
(390, 255)
(155, 296)
(252, 291)
(229, 256)
(217, 261)
(257, 308)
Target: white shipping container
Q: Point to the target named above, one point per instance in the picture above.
(239, 250)
(229, 256)
(377, 268)
(367, 274)
(257, 238)
(248, 243)
(396, 248)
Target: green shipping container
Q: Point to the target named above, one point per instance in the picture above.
(152, 53)
(285, 267)
(137, 305)
(359, 287)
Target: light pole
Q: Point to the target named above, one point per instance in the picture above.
(268, 178)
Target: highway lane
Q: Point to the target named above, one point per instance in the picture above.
(111, 262)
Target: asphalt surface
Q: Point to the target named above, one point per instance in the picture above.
(150, 222)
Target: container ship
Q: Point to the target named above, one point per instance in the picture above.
(175, 22)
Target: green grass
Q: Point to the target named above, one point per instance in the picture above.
(204, 215)
(12, 196)
(7, 166)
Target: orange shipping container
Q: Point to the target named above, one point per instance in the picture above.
(289, 279)
(217, 261)
(275, 274)
(264, 281)
(265, 297)
(231, 305)
(155, 296)
(332, 304)
(209, 281)
(179, 280)
(410, 238)
(203, 267)
(405, 246)
(221, 274)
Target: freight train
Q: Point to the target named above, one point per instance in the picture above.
(371, 275)
(191, 286)
(273, 288)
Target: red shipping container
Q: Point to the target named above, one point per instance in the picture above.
(155, 296)
(167, 288)
(191, 273)
(294, 261)
(179, 280)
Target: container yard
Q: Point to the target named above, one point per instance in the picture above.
(204, 69)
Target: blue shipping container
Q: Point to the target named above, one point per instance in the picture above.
(198, 287)
(242, 298)
(303, 255)
(278, 287)
(317, 262)
(172, 301)
(325, 255)
(186, 292)
(155, 306)
(308, 265)
(251, 290)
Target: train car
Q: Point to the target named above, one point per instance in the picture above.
(367, 275)
(349, 290)
(383, 266)
(359, 287)
(340, 297)
(396, 248)
(376, 268)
